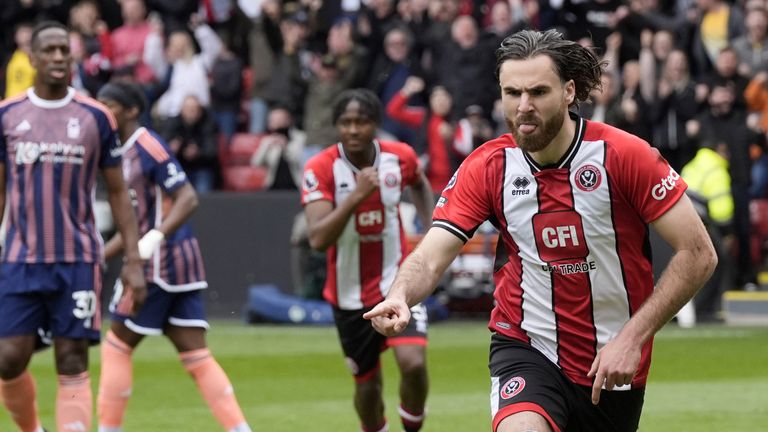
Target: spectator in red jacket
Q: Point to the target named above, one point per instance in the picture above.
(432, 125)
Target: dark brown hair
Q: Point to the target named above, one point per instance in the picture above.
(572, 61)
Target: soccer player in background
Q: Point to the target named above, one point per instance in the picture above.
(52, 144)
(576, 307)
(163, 200)
(351, 194)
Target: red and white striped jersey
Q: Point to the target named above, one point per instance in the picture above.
(363, 262)
(574, 261)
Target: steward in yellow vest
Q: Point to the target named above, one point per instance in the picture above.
(707, 175)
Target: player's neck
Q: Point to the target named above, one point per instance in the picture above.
(559, 145)
(49, 92)
(363, 158)
(127, 131)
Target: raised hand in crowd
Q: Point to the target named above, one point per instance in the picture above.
(413, 85)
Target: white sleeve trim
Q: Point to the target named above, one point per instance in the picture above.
(452, 229)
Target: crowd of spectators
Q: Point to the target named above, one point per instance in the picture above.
(683, 74)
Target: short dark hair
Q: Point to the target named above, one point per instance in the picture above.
(370, 106)
(125, 93)
(572, 61)
(44, 25)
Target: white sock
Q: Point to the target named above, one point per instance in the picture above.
(242, 427)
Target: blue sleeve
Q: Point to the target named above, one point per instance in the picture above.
(167, 173)
(110, 142)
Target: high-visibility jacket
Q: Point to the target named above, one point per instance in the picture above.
(707, 175)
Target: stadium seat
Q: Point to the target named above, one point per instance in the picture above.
(243, 178)
(242, 147)
(235, 159)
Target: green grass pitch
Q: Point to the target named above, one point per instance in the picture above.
(293, 379)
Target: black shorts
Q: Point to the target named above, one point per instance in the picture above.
(362, 345)
(523, 379)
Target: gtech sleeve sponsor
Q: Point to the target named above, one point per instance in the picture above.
(659, 190)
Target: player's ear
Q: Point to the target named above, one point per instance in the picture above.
(33, 59)
(135, 112)
(570, 92)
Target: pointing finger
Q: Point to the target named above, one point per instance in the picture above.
(597, 387)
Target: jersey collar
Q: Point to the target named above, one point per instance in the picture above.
(132, 140)
(377, 149)
(573, 148)
(50, 104)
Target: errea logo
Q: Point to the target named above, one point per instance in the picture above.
(521, 182)
(521, 186)
(659, 190)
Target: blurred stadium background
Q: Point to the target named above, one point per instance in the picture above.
(710, 377)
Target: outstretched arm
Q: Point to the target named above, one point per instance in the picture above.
(415, 280)
(690, 267)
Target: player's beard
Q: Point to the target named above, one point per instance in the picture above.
(542, 136)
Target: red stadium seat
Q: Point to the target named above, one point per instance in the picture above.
(242, 147)
(243, 178)
(235, 159)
